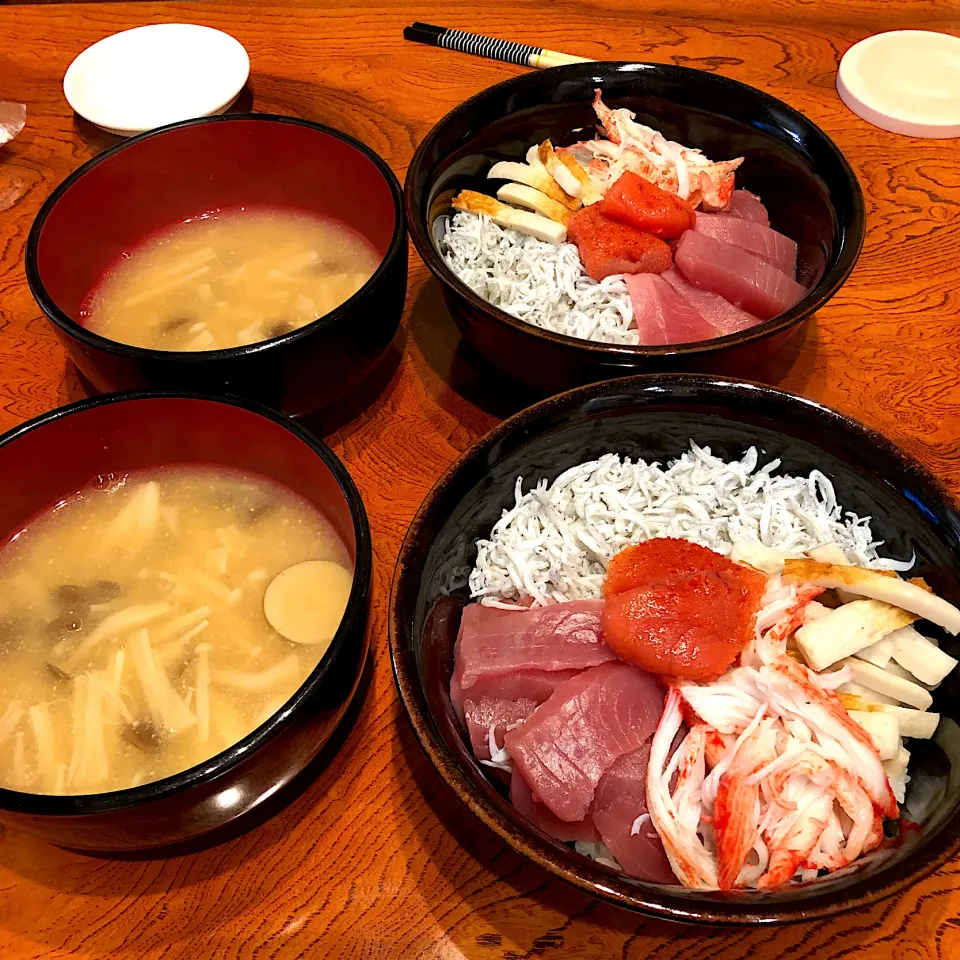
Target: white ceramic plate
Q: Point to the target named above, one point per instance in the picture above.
(906, 81)
(144, 78)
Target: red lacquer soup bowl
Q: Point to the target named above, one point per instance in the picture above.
(112, 204)
(57, 454)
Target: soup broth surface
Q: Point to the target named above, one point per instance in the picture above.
(233, 279)
(133, 635)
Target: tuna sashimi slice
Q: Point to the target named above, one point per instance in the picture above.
(573, 738)
(562, 636)
(485, 713)
(746, 206)
(756, 238)
(661, 315)
(535, 685)
(722, 315)
(744, 279)
(621, 798)
(521, 797)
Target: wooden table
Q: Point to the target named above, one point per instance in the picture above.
(375, 858)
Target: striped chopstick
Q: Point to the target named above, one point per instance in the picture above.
(489, 47)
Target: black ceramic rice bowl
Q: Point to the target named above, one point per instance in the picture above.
(802, 177)
(655, 417)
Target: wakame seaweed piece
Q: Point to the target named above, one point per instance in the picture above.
(326, 265)
(279, 328)
(57, 672)
(103, 591)
(250, 505)
(72, 595)
(257, 511)
(174, 323)
(143, 735)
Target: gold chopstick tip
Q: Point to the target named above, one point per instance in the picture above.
(553, 58)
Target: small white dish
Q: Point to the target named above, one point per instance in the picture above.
(905, 81)
(150, 76)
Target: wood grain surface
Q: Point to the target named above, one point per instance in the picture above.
(373, 857)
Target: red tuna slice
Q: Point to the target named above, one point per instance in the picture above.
(568, 744)
(747, 206)
(722, 315)
(521, 796)
(535, 685)
(607, 247)
(481, 715)
(746, 280)
(562, 636)
(661, 315)
(621, 797)
(756, 238)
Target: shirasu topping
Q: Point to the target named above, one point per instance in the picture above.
(554, 544)
(538, 282)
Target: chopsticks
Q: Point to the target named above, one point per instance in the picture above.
(489, 47)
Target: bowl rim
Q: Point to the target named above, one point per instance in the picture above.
(49, 805)
(77, 331)
(526, 840)
(827, 286)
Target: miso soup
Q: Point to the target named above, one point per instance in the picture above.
(154, 620)
(229, 280)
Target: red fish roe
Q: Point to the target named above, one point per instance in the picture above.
(608, 247)
(641, 204)
(678, 609)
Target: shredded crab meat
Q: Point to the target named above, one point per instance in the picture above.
(672, 166)
(676, 814)
(554, 544)
(541, 283)
(799, 790)
(638, 824)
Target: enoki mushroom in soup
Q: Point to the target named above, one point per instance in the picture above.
(148, 624)
(229, 280)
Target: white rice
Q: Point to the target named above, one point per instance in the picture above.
(538, 282)
(554, 544)
(597, 851)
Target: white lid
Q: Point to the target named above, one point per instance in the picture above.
(907, 81)
(149, 76)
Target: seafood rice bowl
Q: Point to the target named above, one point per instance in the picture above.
(705, 672)
(623, 238)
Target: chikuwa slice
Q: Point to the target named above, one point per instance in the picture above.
(305, 603)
